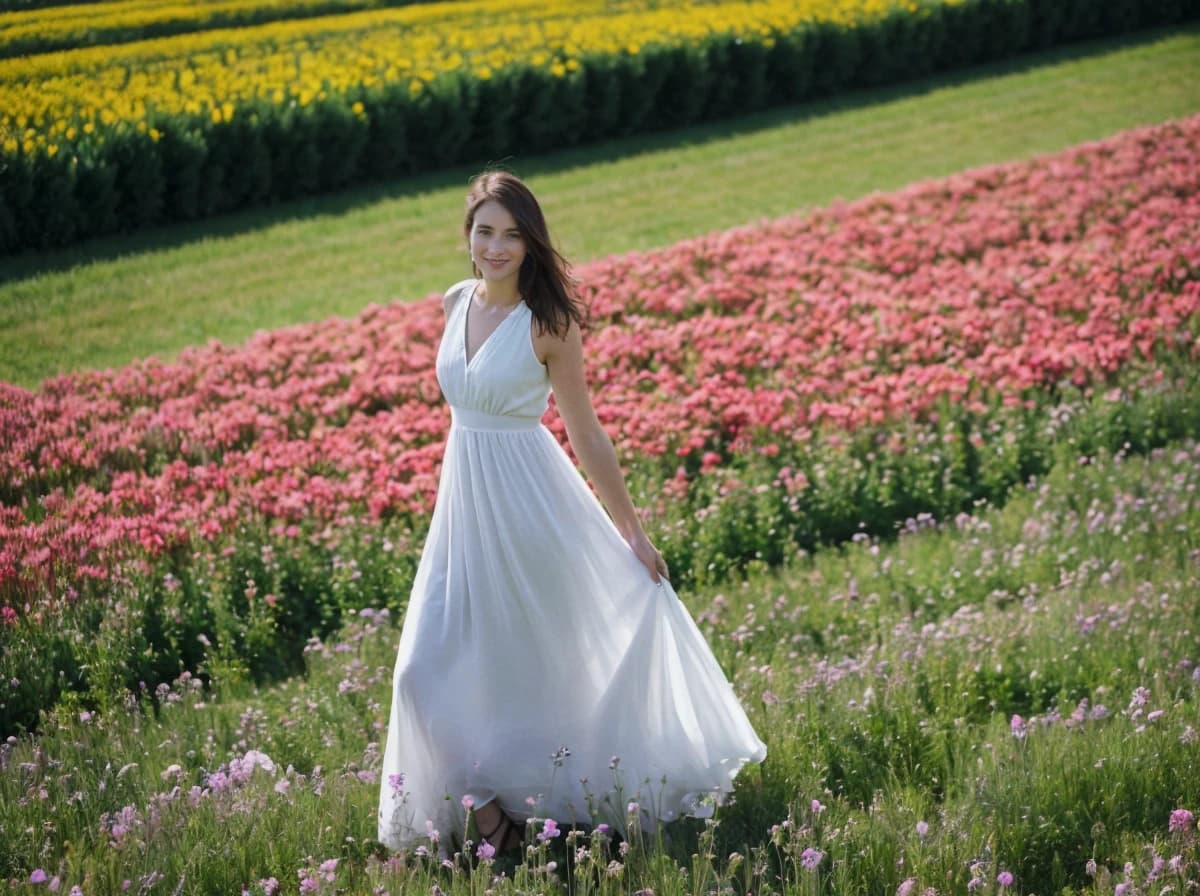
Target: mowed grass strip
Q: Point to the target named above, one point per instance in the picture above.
(153, 294)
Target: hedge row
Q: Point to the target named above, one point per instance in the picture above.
(181, 168)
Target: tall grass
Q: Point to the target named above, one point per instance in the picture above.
(1013, 692)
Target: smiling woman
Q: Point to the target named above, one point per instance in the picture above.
(542, 637)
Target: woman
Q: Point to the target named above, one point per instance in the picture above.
(546, 668)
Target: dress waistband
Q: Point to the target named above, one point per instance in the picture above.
(467, 418)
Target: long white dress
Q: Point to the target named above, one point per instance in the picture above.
(537, 653)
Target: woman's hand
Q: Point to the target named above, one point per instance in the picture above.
(650, 556)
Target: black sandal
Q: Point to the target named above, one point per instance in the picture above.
(506, 828)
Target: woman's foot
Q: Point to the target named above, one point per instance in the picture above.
(496, 828)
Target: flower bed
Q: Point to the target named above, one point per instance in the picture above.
(790, 382)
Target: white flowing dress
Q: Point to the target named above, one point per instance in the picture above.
(539, 663)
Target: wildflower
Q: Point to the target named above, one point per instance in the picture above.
(1090, 868)
(549, 830)
(1004, 879)
(282, 785)
(1181, 821)
(468, 802)
(396, 783)
(817, 807)
(811, 858)
(38, 876)
(486, 852)
(270, 886)
(1017, 726)
(922, 829)
(906, 886)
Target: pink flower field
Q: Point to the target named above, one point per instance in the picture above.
(989, 288)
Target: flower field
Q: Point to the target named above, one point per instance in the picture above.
(96, 139)
(999, 703)
(789, 383)
(70, 26)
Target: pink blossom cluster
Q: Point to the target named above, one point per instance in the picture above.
(982, 287)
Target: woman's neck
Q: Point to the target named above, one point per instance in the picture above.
(500, 293)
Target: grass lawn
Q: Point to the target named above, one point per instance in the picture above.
(110, 301)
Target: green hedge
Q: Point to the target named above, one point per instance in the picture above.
(268, 153)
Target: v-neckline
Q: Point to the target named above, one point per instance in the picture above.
(466, 321)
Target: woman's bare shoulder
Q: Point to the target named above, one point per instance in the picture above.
(456, 291)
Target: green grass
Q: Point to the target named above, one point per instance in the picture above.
(152, 294)
(882, 676)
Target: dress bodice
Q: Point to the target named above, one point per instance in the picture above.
(504, 378)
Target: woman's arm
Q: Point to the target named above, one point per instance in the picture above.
(593, 447)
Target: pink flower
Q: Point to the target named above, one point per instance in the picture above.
(38, 876)
(1004, 879)
(1181, 821)
(1017, 726)
(486, 852)
(922, 829)
(906, 886)
(549, 830)
(811, 858)
(468, 802)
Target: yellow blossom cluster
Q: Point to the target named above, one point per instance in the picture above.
(115, 21)
(54, 98)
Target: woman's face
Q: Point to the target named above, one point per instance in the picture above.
(496, 243)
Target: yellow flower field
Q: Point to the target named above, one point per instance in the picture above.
(52, 99)
(91, 23)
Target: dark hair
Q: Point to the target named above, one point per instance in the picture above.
(545, 280)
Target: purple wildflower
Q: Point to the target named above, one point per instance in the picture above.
(811, 858)
(1181, 820)
(1004, 879)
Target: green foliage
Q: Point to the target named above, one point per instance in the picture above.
(268, 152)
